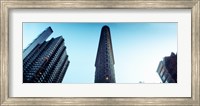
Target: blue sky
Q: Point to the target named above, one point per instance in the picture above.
(138, 48)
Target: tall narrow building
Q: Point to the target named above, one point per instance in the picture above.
(105, 59)
(47, 62)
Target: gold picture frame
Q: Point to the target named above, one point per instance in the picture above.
(7, 5)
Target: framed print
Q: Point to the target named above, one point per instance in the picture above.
(99, 52)
(120, 74)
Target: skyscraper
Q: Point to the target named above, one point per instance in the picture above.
(105, 59)
(167, 69)
(47, 62)
(40, 39)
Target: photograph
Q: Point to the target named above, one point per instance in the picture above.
(101, 52)
(98, 52)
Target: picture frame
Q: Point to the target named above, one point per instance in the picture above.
(7, 5)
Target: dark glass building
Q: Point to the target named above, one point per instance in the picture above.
(40, 39)
(167, 69)
(105, 59)
(47, 62)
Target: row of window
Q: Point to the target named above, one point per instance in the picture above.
(42, 57)
(52, 55)
(58, 67)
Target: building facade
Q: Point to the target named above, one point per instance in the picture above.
(105, 59)
(167, 69)
(40, 39)
(46, 63)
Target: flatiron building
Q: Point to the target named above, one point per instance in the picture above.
(105, 59)
(47, 62)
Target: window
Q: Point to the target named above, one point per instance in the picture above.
(107, 77)
(107, 65)
(165, 76)
(162, 71)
